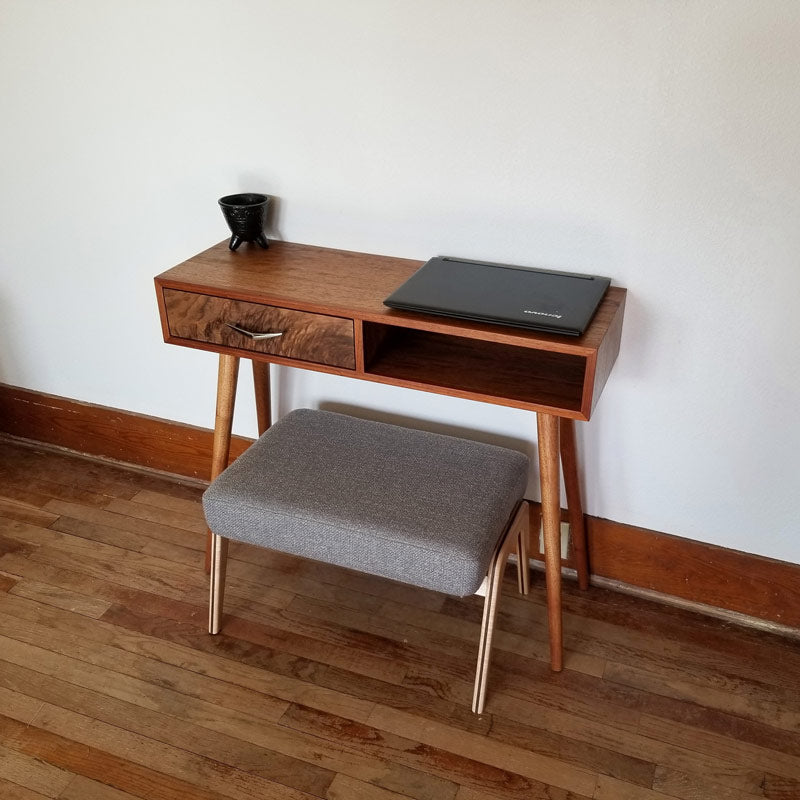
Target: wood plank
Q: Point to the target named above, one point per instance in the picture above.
(191, 508)
(609, 788)
(591, 756)
(13, 791)
(18, 707)
(320, 676)
(82, 788)
(159, 515)
(173, 731)
(61, 598)
(205, 661)
(348, 580)
(346, 788)
(541, 769)
(722, 747)
(127, 571)
(51, 572)
(465, 793)
(517, 680)
(633, 631)
(398, 642)
(11, 509)
(631, 743)
(11, 542)
(407, 751)
(7, 582)
(694, 787)
(778, 708)
(130, 677)
(32, 773)
(228, 781)
(33, 477)
(133, 776)
(525, 636)
(123, 522)
(778, 788)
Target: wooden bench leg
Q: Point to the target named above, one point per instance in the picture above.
(510, 541)
(523, 560)
(219, 561)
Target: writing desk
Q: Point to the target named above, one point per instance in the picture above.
(322, 309)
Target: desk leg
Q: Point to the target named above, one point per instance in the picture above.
(261, 384)
(549, 475)
(577, 527)
(226, 396)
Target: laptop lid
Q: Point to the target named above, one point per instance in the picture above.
(539, 299)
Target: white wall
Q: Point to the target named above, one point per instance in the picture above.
(655, 142)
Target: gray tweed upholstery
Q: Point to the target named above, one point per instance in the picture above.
(416, 507)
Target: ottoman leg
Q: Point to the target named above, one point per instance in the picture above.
(219, 558)
(523, 562)
(509, 542)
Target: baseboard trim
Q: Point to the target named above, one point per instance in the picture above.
(110, 433)
(645, 560)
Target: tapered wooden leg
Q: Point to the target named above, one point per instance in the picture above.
(547, 426)
(523, 561)
(261, 383)
(223, 422)
(487, 630)
(577, 526)
(219, 560)
(515, 531)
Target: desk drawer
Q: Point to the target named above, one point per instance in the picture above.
(304, 336)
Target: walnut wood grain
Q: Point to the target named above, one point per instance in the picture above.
(499, 364)
(304, 336)
(345, 283)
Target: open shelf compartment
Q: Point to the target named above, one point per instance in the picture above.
(510, 374)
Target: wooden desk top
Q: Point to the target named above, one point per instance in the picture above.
(350, 284)
(353, 286)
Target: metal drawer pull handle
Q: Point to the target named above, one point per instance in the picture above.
(254, 335)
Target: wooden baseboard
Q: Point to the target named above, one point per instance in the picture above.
(670, 565)
(110, 433)
(696, 571)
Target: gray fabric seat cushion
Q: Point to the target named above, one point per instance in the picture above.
(417, 507)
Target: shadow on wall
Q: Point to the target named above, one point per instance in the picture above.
(253, 182)
(513, 443)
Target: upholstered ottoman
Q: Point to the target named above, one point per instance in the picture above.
(433, 511)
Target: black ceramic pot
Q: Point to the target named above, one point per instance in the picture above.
(246, 215)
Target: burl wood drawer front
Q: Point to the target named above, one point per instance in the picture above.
(304, 336)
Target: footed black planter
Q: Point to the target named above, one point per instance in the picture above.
(246, 215)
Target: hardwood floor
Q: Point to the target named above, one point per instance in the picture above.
(329, 684)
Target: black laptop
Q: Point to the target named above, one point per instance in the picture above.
(540, 299)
